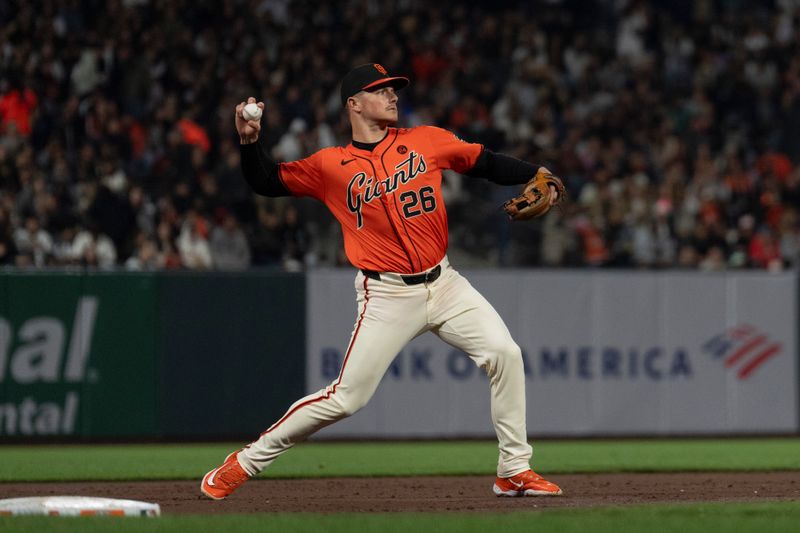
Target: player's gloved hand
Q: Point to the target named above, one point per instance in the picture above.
(541, 193)
(248, 129)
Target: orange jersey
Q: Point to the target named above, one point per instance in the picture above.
(388, 201)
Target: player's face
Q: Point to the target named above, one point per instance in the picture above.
(379, 105)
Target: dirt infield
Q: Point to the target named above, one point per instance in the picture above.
(433, 494)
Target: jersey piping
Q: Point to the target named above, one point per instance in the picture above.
(397, 209)
(388, 216)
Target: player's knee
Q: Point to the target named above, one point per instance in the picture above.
(353, 407)
(350, 404)
(504, 348)
(504, 352)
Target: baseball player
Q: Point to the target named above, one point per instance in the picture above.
(384, 188)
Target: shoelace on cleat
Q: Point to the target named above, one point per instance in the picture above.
(230, 475)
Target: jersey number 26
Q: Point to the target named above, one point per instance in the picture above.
(415, 203)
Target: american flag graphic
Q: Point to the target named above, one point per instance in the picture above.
(743, 348)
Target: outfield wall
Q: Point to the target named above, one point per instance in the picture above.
(606, 353)
(190, 355)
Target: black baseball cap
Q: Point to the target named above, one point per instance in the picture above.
(368, 76)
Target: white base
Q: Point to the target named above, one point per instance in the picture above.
(77, 506)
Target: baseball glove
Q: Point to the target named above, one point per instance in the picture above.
(535, 198)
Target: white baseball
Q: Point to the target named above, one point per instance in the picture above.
(251, 112)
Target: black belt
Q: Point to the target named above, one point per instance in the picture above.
(414, 279)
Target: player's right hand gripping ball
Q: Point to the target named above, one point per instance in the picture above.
(251, 112)
(535, 198)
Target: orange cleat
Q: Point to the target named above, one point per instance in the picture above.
(223, 480)
(527, 483)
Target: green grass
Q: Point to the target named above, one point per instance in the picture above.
(733, 518)
(190, 461)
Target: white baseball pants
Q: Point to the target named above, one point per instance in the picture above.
(390, 314)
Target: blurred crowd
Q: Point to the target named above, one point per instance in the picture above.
(675, 125)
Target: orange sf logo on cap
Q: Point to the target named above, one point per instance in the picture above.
(380, 69)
